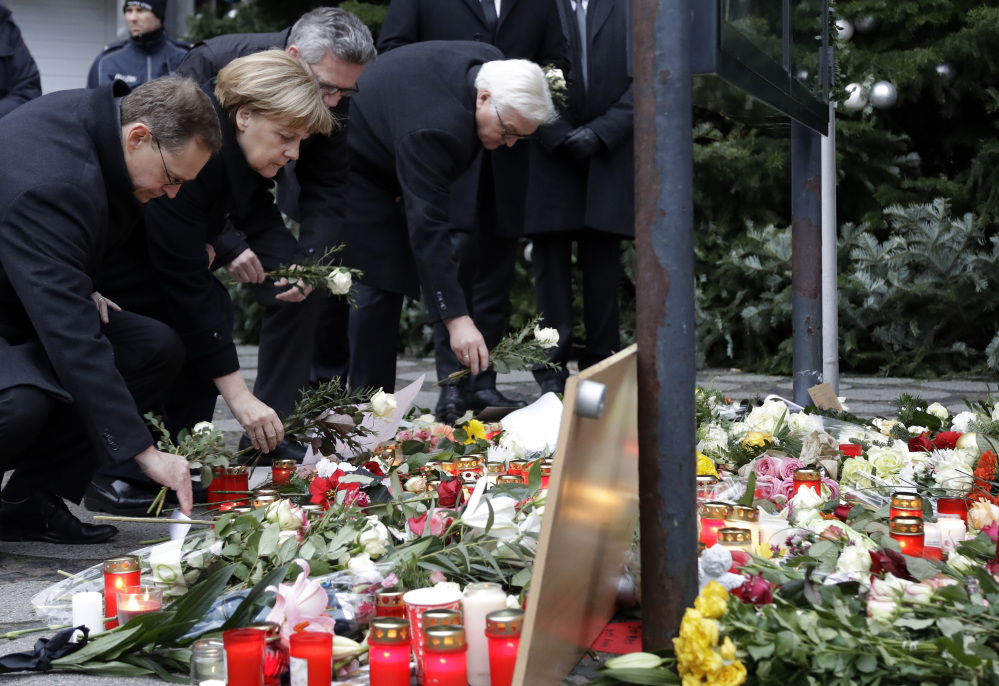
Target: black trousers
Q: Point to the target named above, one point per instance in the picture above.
(44, 440)
(331, 351)
(598, 257)
(374, 337)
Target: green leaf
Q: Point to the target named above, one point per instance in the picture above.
(534, 478)
(652, 677)
(250, 605)
(758, 652)
(950, 626)
(268, 540)
(521, 578)
(866, 663)
(103, 644)
(750, 494)
(921, 569)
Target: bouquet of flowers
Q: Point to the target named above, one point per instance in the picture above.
(522, 350)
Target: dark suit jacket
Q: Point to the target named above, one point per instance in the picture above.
(19, 80)
(526, 29)
(412, 133)
(562, 196)
(311, 191)
(164, 273)
(65, 199)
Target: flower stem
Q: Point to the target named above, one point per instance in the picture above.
(11, 635)
(150, 520)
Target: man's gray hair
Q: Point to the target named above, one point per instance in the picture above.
(519, 86)
(335, 31)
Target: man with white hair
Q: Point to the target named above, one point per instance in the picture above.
(423, 114)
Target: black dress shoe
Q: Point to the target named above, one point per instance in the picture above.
(118, 496)
(490, 397)
(451, 404)
(288, 449)
(44, 517)
(553, 386)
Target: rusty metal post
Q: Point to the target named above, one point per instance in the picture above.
(664, 242)
(806, 258)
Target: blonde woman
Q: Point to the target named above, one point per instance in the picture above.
(267, 103)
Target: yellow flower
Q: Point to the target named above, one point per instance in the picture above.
(763, 550)
(728, 649)
(730, 675)
(705, 465)
(713, 601)
(757, 439)
(475, 429)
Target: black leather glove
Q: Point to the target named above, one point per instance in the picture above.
(581, 144)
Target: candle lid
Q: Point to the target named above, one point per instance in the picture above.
(734, 536)
(430, 464)
(218, 470)
(272, 631)
(284, 464)
(496, 467)
(546, 470)
(265, 491)
(444, 639)
(387, 444)
(241, 510)
(907, 526)
(744, 513)
(509, 479)
(440, 617)
(483, 587)
(390, 597)
(715, 509)
(706, 479)
(508, 622)
(236, 470)
(468, 462)
(807, 474)
(264, 500)
(206, 648)
(907, 501)
(521, 464)
(121, 564)
(390, 630)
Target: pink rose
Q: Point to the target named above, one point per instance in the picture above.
(404, 435)
(788, 466)
(767, 466)
(421, 435)
(785, 489)
(833, 487)
(766, 488)
(437, 577)
(433, 441)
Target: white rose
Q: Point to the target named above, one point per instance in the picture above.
(959, 563)
(854, 558)
(512, 443)
(498, 453)
(982, 514)
(417, 484)
(962, 421)
(888, 461)
(546, 338)
(995, 413)
(360, 563)
(938, 410)
(917, 594)
(371, 545)
(806, 499)
(714, 439)
(339, 281)
(802, 423)
(325, 468)
(765, 417)
(383, 404)
(206, 427)
(884, 425)
(287, 516)
(426, 420)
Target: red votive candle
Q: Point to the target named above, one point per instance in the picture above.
(217, 484)
(546, 473)
(503, 629)
(713, 515)
(388, 651)
(388, 602)
(119, 573)
(281, 471)
(953, 506)
(851, 449)
(315, 649)
(908, 532)
(444, 656)
(236, 479)
(808, 477)
(905, 505)
(138, 600)
(244, 657)
(275, 654)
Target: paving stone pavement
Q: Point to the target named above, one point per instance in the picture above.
(26, 568)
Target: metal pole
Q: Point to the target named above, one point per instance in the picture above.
(664, 241)
(830, 270)
(806, 258)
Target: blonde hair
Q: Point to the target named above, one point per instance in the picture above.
(275, 85)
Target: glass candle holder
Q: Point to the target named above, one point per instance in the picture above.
(468, 463)
(510, 478)
(388, 602)
(388, 651)
(851, 449)
(313, 511)
(217, 484)
(263, 500)
(441, 617)
(745, 517)
(494, 470)
(480, 599)
(503, 629)
(275, 654)
(119, 573)
(237, 478)
(282, 471)
(311, 658)
(431, 467)
(546, 473)
(444, 656)
(244, 657)
(706, 485)
(808, 477)
(956, 507)
(905, 505)
(736, 539)
(432, 485)
(908, 532)
(208, 662)
(138, 600)
(518, 467)
(713, 516)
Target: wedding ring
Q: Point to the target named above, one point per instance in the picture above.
(465, 356)
(101, 297)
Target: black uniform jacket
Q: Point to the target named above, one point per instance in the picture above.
(321, 169)
(65, 199)
(19, 80)
(562, 195)
(412, 133)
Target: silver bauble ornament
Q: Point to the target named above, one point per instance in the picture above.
(844, 29)
(967, 440)
(883, 95)
(947, 72)
(866, 24)
(857, 99)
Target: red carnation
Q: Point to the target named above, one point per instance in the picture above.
(449, 493)
(946, 440)
(921, 442)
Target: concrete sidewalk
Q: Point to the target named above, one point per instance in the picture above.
(26, 568)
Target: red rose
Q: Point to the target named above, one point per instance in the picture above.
(757, 591)
(439, 523)
(921, 442)
(740, 558)
(373, 467)
(842, 512)
(885, 561)
(449, 494)
(946, 440)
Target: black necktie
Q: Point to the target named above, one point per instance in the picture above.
(489, 9)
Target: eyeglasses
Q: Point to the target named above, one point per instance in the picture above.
(506, 132)
(328, 89)
(165, 170)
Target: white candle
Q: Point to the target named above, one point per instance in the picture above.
(952, 531)
(212, 682)
(88, 610)
(931, 535)
(479, 601)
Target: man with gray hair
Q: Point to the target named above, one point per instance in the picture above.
(423, 114)
(335, 46)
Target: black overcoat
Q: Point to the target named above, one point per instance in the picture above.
(412, 134)
(562, 195)
(65, 199)
(312, 190)
(19, 79)
(526, 29)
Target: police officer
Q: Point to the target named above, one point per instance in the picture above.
(146, 55)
